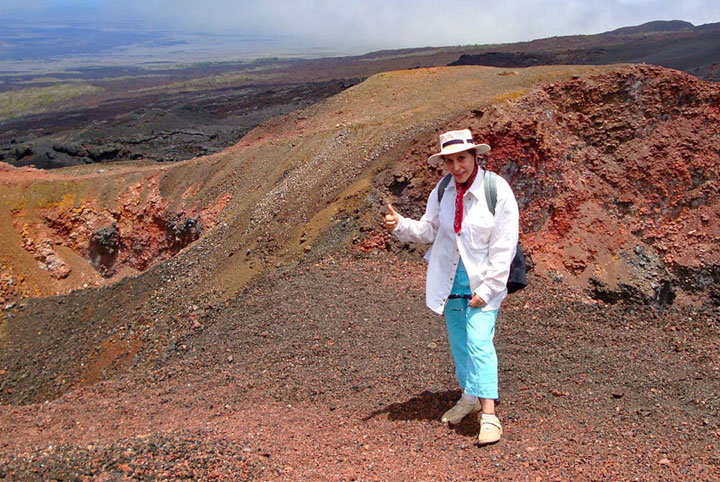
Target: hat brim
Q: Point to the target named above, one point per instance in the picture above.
(479, 149)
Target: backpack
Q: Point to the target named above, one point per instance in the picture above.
(517, 279)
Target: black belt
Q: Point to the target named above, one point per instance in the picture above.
(466, 297)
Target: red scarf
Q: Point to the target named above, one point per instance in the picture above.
(461, 190)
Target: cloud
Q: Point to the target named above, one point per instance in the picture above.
(370, 24)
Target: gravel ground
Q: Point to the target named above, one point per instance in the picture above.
(336, 371)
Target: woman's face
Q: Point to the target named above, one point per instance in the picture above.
(460, 165)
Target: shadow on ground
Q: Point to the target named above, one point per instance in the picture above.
(428, 406)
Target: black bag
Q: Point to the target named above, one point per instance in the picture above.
(517, 279)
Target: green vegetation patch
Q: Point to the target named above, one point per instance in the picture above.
(36, 99)
(211, 82)
(49, 80)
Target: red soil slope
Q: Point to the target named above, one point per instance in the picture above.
(617, 181)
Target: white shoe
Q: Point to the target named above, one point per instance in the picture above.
(490, 429)
(461, 409)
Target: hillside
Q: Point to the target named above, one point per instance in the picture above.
(245, 316)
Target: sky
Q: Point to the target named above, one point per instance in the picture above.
(364, 25)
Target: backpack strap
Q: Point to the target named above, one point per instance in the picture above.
(491, 190)
(441, 187)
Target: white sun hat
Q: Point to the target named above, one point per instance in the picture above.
(456, 141)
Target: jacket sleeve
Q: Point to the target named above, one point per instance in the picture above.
(422, 231)
(503, 243)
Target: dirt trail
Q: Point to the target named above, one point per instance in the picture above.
(345, 378)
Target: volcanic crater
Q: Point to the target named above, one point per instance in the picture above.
(283, 334)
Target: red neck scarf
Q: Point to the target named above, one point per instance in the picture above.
(461, 190)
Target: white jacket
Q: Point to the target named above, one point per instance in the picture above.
(486, 243)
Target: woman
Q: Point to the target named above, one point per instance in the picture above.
(468, 268)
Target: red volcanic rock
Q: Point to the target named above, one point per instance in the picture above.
(616, 177)
(374, 241)
(139, 230)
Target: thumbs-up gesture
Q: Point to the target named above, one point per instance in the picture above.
(392, 219)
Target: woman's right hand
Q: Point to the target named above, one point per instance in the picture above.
(392, 219)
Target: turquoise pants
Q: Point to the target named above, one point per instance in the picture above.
(470, 333)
